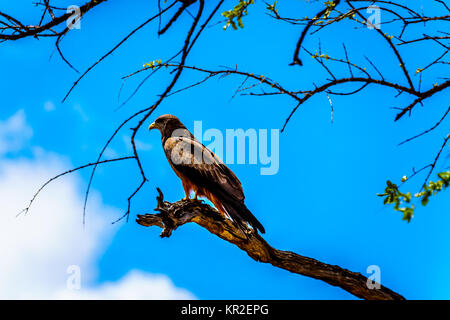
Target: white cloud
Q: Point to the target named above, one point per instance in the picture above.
(135, 285)
(110, 153)
(36, 249)
(49, 106)
(140, 145)
(14, 132)
(78, 109)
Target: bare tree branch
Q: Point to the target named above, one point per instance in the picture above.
(68, 172)
(13, 29)
(173, 215)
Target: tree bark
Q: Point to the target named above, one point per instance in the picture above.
(173, 215)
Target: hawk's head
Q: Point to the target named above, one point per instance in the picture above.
(167, 124)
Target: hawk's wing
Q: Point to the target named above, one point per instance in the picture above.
(202, 167)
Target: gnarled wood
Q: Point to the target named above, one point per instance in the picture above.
(173, 215)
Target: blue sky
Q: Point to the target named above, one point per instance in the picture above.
(322, 203)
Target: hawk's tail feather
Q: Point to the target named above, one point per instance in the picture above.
(240, 213)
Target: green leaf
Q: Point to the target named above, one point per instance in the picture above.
(392, 194)
(236, 14)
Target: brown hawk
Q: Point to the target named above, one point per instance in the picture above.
(201, 171)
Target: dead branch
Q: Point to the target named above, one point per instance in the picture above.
(173, 215)
(25, 211)
(13, 29)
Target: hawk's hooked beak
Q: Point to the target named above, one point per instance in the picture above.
(152, 126)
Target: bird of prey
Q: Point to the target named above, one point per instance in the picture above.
(201, 171)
